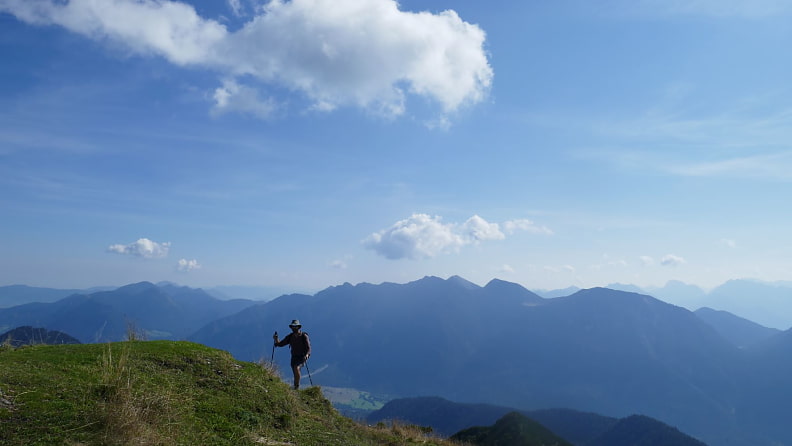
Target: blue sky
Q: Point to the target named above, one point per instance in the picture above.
(307, 143)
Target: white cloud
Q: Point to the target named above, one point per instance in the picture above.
(770, 166)
(423, 236)
(559, 269)
(419, 236)
(233, 97)
(339, 264)
(142, 248)
(166, 28)
(236, 7)
(513, 226)
(646, 260)
(728, 243)
(714, 8)
(506, 268)
(476, 228)
(672, 260)
(185, 265)
(364, 53)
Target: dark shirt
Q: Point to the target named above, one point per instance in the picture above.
(299, 343)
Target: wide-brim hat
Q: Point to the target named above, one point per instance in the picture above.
(295, 323)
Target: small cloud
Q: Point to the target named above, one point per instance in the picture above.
(728, 243)
(142, 248)
(505, 268)
(526, 225)
(609, 262)
(560, 269)
(339, 264)
(233, 97)
(646, 260)
(672, 260)
(185, 265)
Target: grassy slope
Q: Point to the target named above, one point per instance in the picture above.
(164, 392)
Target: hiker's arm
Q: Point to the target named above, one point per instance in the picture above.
(307, 346)
(283, 342)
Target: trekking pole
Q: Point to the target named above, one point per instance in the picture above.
(309, 372)
(272, 358)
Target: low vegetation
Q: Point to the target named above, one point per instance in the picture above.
(167, 393)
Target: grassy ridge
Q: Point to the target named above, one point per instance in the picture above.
(163, 392)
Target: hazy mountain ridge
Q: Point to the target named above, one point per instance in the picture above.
(13, 295)
(768, 304)
(166, 311)
(739, 331)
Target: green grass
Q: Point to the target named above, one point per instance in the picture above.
(165, 393)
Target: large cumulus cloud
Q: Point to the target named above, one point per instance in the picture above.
(363, 53)
(424, 236)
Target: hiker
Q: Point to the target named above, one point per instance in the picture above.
(300, 346)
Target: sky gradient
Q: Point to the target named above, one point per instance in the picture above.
(308, 143)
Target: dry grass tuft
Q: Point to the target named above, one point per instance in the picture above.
(131, 416)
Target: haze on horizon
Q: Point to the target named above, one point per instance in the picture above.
(306, 143)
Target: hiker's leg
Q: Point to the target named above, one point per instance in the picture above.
(296, 370)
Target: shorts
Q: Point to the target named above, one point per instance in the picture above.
(297, 361)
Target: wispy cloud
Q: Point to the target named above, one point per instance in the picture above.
(424, 236)
(775, 166)
(566, 269)
(672, 260)
(185, 265)
(750, 140)
(339, 264)
(236, 7)
(713, 8)
(646, 260)
(142, 248)
(729, 243)
(363, 53)
(513, 226)
(235, 97)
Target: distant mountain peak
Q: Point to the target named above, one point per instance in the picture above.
(137, 287)
(461, 281)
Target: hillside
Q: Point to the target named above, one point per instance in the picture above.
(638, 430)
(579, 428)
(513, 429)
(739, 331)
(28, 335)
(163, 392)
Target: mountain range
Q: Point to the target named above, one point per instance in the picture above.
(498, 423)
(598, 350)
(159, 312)
(769, 304)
